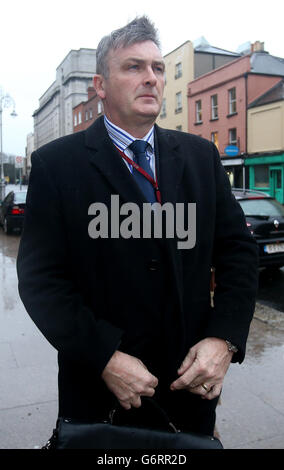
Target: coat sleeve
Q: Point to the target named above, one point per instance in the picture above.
(235, 259)
(45, 286)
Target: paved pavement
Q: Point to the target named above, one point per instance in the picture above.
(249, 416)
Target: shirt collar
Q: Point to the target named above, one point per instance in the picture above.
(122, 139)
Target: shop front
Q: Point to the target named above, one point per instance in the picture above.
(266, 173)
(236, 171)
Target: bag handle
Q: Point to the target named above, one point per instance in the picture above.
(158, 409)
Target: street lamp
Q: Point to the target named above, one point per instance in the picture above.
(5, 102)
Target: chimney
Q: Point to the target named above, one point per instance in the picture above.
(257, 46)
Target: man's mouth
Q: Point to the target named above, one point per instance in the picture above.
(147, 96)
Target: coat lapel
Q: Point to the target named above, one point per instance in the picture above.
(104, 156)
(170, 164)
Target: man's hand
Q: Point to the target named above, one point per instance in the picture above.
(128, 379)
(204, 368)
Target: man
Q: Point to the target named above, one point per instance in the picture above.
(131, 316)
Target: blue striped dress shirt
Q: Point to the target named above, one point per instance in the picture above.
(121, 139)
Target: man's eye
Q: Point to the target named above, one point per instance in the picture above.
(159, 69)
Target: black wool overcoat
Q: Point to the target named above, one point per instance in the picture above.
(144, 296)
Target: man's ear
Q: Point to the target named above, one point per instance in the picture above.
(99, 86)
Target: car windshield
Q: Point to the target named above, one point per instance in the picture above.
(266, 207)
(20, 197)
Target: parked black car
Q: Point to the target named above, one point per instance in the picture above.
(12, 211)
(265, 219)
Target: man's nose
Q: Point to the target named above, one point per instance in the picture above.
(150, 77)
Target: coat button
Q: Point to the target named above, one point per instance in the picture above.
(153, 265)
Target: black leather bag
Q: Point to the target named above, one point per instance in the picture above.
(70, 434)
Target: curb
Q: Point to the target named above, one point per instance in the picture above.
(271, 316)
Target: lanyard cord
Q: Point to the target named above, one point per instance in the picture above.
(144, 173)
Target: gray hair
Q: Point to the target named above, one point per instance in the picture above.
(138, 30)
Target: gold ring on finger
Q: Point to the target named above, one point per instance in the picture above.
(205, 387)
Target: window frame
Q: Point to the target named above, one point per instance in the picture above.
(198, 112)
(178, 102)
(232, 101)
(214, 107)
(233, 142)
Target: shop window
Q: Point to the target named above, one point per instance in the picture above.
(261, 176)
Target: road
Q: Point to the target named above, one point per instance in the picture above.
(271, 288)
(250, 414)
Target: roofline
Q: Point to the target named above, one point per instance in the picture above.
(219, 53)
(178, 47)
(75, 50)
(221, 83)
(220, 68)
(253, 104)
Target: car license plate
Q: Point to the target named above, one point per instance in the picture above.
(275, 248)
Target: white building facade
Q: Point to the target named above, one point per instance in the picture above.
(74, 75)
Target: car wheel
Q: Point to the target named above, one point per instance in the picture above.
(6, 226)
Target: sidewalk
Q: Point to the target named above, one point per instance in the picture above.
(250, 415)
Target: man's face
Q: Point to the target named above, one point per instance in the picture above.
(133, 91)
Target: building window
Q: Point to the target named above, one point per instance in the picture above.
(215, 139)
(91, 113)
(75, 120)
(198, 111)
(86, 115)
(163, 109)
(178, 102)
(79, 117)
(100, 107)
(178, 70)
(232, 101)
(233, 136)
(261, 176)
(214, 107)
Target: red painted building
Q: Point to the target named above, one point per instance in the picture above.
(86, 112)
(218, 101)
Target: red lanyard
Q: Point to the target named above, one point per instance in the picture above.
(144, 173)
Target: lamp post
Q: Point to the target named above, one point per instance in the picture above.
(5, 102)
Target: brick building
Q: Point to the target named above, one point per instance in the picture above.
(86, 112)
(218, 102)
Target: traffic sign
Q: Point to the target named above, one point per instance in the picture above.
(19, 162)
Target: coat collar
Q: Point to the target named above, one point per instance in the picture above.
(105, 157)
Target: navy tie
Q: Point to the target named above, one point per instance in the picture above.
(138, 147)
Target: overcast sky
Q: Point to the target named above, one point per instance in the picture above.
(36, 35)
